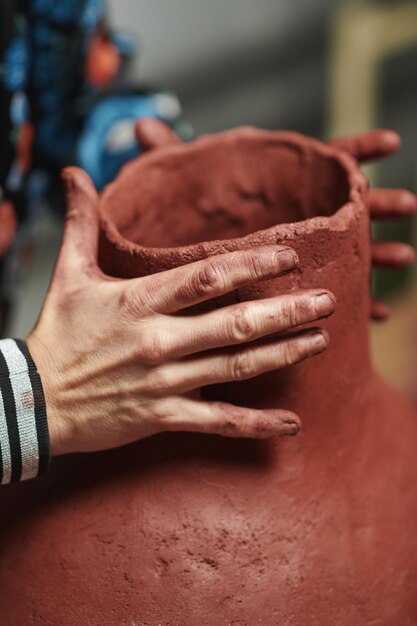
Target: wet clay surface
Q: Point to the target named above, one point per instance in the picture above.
(182, 529)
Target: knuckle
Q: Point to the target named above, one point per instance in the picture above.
(165, 414)
(207, 280)
(242, 326)
(293, 351)
(160, 384)
(230, 426)
(153, 351)
(256, 267)
(204, 282)
(241, 366)
(258, 427)
(124, 300)
(132, 303)
(291, 311)
(262, 427)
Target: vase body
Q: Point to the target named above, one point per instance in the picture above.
(183, 529)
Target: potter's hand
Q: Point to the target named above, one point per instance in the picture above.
(383, 203)
(117, 361)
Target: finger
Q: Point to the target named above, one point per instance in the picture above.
(80, 240)
(243, 323)
(391, 203)
(221, 418)
(392, 254)
(182, 287)
(236, 365)
(380, 311)
(369, 145)
(152, 133)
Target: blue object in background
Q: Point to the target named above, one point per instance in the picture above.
(108, 139)
(16, 61)
(56, 111)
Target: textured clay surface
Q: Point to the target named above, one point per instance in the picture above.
(182, 529)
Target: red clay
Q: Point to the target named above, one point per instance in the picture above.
(183, 529)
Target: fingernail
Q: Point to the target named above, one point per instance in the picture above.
(286, 260)
(291, 429)
(318, 342)
(324, 304)
(288, 429)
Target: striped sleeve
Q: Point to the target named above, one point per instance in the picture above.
(24, 436)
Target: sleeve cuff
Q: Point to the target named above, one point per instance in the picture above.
(24, 437)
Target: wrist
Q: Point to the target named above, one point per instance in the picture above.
(58, 427)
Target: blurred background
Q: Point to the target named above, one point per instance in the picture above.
(321, 67)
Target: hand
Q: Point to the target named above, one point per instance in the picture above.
(383, 203)
(117, 361)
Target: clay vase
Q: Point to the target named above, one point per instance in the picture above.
(183, 529)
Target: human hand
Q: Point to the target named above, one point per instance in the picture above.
(118, 363)
(383, 203)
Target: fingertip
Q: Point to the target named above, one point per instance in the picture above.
(320, 337)
(380, 311)
(73, 173)
(75, 178)
(392, 254)
(324, 303)
(407, 202)
(279, 423)
(329, 294)
(145, 129)
(316, 341)
(287, 259)
(408, 254)
(404, 254)
(390, 139)
(152, 133)
(146, 122)
(290, 424)
(289, 430)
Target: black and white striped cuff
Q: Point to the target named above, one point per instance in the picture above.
(24, 436)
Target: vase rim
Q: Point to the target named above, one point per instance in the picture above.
(337, 221)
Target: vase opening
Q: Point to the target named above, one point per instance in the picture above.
(217, 191)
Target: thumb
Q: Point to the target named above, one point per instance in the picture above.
(152, 133)
(79, 248)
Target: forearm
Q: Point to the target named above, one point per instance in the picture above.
(24, 437)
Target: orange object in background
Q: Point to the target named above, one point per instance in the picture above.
(103, 61)
(24, 146)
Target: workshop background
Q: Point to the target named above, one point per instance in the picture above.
(321, 67)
